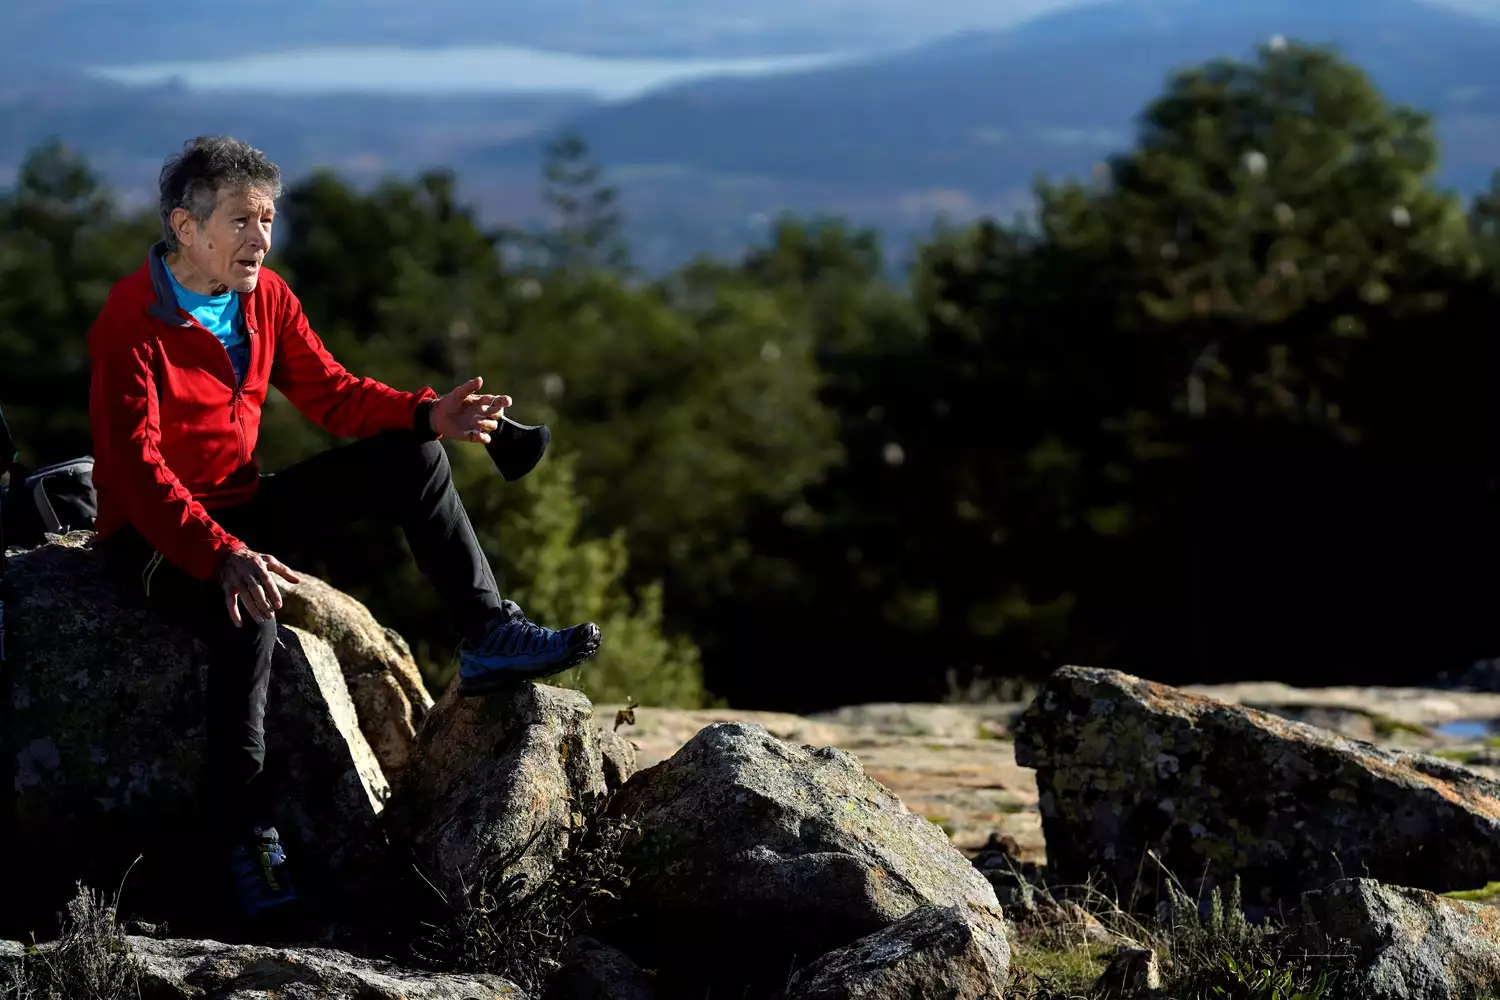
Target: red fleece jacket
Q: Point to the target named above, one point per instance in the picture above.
(174, 436)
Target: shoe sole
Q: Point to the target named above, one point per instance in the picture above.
(511, 679)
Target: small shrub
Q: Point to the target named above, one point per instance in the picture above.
(497, 927)
(1222, 956)
(89, 961)
(1199, 942)
(1212, 955)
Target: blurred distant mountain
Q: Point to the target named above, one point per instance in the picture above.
(961, 125)
(967, 123)
(986, 111)
(127, 131)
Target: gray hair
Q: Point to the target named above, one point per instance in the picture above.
(208, 165)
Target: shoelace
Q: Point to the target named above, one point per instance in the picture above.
(525, 638)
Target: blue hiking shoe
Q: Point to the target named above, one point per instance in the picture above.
(261, 879)
(517, 650)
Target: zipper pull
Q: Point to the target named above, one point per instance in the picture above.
(234, 408)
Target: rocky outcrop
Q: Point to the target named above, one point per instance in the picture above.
(104, 741)
(594, 971)
(745, 837)
(499, 785)
(971, 786)
(378, 667)
(1125, 766)
(194, 970)
(953, 952)
(1411, 944)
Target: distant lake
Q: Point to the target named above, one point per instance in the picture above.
(480, 69)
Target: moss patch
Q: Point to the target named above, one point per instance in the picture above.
(1489, 894)
(1386, 727)
(1063, 969)
(943, 823)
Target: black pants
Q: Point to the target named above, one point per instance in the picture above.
(393, 476)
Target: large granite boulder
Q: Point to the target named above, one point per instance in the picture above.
(102, 747)
(743, 837)
(382, 676)
(1125, 766)
(194, 970)
(952, 952)
(499, 786)
(1410, 944)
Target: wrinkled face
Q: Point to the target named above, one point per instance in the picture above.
(225, 253)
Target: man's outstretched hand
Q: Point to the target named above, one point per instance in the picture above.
(465, 416)
(247, 578)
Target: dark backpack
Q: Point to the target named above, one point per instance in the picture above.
(57, 498)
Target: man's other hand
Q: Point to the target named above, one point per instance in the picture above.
(466, 416)
(247, 577)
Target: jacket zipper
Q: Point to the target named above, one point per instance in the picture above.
(235, 416)
(239, 425)
(239, 388)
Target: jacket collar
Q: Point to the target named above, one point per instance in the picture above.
(164, 307)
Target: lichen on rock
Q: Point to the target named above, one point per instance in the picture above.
(746, 837)
(499, 785)
(1410, 944)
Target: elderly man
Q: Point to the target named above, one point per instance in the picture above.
(183, 354)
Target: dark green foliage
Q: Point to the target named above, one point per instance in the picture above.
(62, 243)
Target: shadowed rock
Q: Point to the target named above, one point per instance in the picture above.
(745, 837)
(953, 952)
(1411, 944)
(1125, 766)
(594, 971)
(104, 745)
